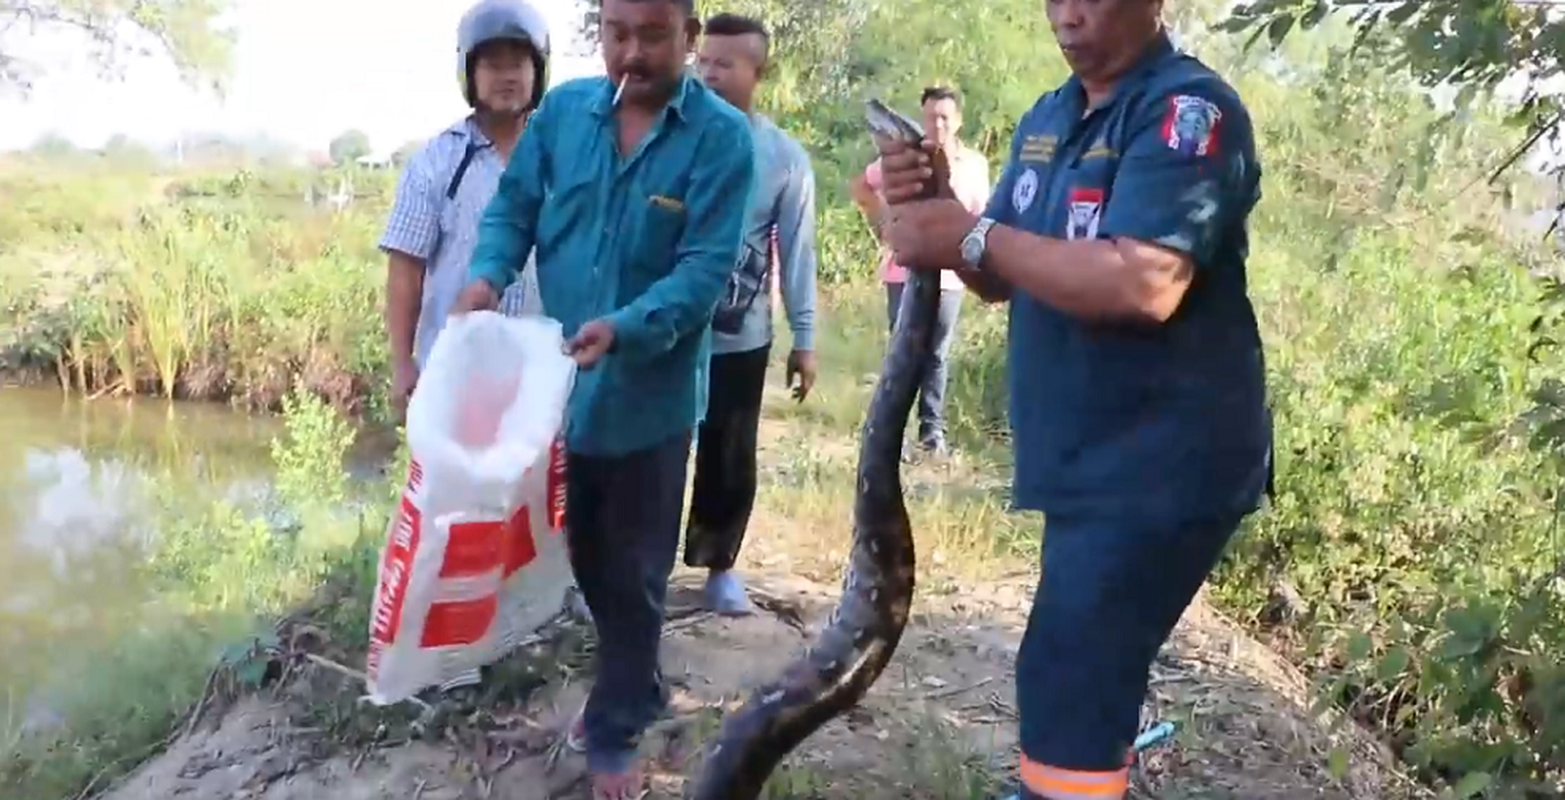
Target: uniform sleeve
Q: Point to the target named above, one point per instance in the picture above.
(1187, 172)
(413, 226)
(682, 302)
(508, 228)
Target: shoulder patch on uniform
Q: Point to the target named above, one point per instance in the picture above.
(1025, 191)
(1190, 125)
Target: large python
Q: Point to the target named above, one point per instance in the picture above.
(877, 590)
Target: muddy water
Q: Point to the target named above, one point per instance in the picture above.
(77, 483)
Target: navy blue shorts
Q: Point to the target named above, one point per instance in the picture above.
(1110, 594)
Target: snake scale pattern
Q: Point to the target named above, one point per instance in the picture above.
(877, 592)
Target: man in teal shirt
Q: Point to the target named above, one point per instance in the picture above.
(633, 189)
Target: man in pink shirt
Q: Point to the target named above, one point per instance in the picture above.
(942, 107)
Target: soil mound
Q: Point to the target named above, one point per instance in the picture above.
(939, 724)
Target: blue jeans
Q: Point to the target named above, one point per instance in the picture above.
(1108, 597)
(623, 518)
(932, 393)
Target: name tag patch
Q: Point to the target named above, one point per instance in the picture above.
(1083, 214)
(1038, 149)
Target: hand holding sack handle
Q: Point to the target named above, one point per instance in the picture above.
(475, 555)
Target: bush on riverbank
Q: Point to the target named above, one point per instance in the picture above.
(223, 303)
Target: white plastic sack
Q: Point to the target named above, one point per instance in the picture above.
(475, 556)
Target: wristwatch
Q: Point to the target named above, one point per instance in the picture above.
(975, 243)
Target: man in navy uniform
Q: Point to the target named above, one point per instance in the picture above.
(1117, 233)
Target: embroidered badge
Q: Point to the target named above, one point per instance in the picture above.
(1190, 126)
(1083, 213)
(1026, 190)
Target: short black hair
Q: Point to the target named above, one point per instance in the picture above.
(938, 93)
(687, 6)
(740, 25)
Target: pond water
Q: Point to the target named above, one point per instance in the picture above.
(79, 482)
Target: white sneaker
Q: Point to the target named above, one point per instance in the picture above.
(578, 605)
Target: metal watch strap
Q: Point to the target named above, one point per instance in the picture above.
(975, 243)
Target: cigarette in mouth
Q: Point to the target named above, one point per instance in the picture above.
(621, 90)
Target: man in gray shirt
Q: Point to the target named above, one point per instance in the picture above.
(781, 232)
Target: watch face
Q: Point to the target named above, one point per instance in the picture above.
(972, 249)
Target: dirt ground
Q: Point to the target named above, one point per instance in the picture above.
(938, 724)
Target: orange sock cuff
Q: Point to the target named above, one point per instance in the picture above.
(1058, 783)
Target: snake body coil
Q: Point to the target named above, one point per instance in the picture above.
(877, 591)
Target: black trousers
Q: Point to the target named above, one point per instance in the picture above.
(724, 491)
(622, 522)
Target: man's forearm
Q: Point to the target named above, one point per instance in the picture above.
(988, 287)
(868, 201)
(404, 296)
(508, 229)
(504, 240)
(1085, 279)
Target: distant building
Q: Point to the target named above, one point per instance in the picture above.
(375, 161)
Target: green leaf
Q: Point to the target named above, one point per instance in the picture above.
(1404, 12)
(1235, 23)
(1314, 15)
(1279, 28)
(1359, 646)
(1472, 784)
(1337, 762)
(1393, 664)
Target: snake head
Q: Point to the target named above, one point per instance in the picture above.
(887, 124)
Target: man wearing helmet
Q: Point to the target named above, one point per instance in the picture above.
(633, 188)
(502, 65)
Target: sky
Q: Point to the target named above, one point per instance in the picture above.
(304, 71)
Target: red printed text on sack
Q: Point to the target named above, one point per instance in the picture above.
(556, 484)
(395, 571)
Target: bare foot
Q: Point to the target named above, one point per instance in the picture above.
(628, 785)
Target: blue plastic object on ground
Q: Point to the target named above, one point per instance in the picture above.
(1158, 734)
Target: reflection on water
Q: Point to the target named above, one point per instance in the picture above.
(76, 491)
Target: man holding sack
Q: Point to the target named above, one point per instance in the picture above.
(626, 186)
